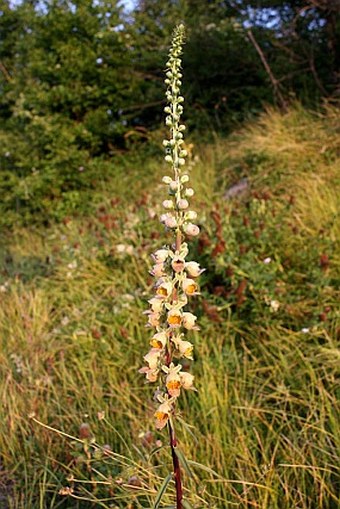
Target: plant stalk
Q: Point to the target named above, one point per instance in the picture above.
(177, 468)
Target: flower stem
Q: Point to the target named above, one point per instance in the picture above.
(177, 468)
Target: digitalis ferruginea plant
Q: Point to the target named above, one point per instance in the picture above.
(175, 277)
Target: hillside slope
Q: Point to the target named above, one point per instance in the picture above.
(263, 429)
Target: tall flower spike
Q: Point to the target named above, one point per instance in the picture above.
(174, 283)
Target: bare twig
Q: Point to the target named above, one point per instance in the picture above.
(274, 81)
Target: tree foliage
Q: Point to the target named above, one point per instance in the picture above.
(80, 80)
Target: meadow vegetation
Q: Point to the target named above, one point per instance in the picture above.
(264, 426)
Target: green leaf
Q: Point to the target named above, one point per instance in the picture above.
(162, 490)
(184, 462)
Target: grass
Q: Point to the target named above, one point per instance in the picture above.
(263, 430)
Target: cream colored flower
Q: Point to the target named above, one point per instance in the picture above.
(153, 319)
(152, 358)
(158, 270)
(164, 289)
(160, 255)
(173, 379)
(151, 374)
(189, 321)
(193, 269)
(162, 414)
(178, 264)
(185, 348)
(174, 318)
(190, 287)
(187, 380)
(156, 305)
(159, 340)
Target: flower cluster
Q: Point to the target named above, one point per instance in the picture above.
(176, 278)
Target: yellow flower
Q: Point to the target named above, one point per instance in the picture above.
(174, 318)
(190, 287)
(185, 348)
(162, 414)
(159, 340)
(164, 290)
(173, 380)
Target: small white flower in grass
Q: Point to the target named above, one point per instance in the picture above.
(189, 321)
(187, 380)
(174, 318)
(267, 260)
(305, 330)
(190, 287)
(274, 305)
(193, 269)
(191, 229)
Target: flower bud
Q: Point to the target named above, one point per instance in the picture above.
(182, 204)
(187, 380)
(184, 179)
(168, 204)
(168, 159)
(189, 321)
(193, 269)
(171, 222)
(166, 179)
(189, 192)
(191, 215)
(191, 229)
